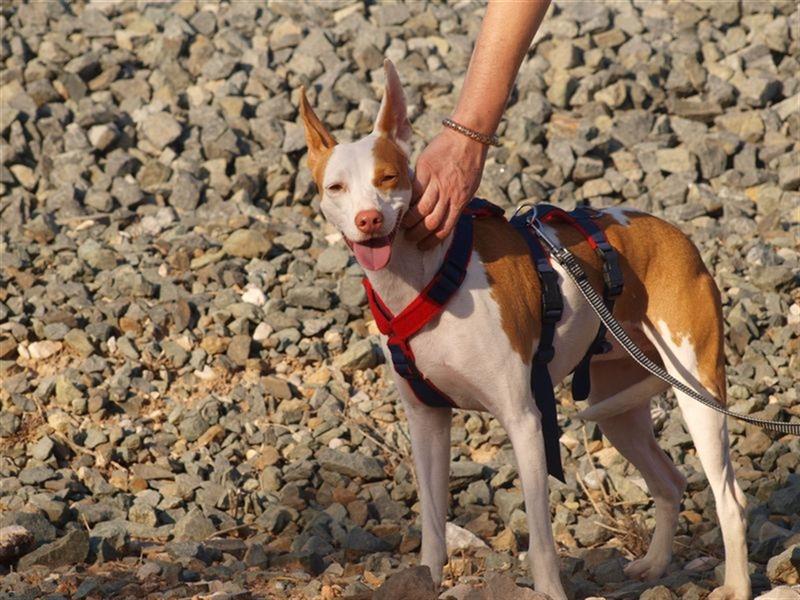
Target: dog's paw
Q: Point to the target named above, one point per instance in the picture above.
(727, 592)
(646, 568)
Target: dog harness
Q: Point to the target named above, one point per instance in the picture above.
(432, 300)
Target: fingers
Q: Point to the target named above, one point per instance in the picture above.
(435, 238)
(423, 208)
(431, 222)
(418, 209)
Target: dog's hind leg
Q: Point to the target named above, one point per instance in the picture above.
(631, 433)
(695, 360)
(430, 444)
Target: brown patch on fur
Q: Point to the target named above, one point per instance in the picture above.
(318, 139)
(385, 122)
(665, 281)
(389, 160)
(513, 280)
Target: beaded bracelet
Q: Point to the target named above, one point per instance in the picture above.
(486, 140)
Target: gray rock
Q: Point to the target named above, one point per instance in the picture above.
(96, 256)
(332, 260)
(35, 523)
(239, 349)
(161, 129)
(193, 426)
(71, 549)
(351, 465)
(194, 525)
(786, 501)
(14, 541)
(186, 192)
(414, 583)
(247, 243)
(363, 354)
(310, 297)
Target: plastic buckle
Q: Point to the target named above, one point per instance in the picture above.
(601, 347)
(552, 314)
(612, 275)
(602, 244)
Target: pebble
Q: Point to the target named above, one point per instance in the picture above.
(185, 346)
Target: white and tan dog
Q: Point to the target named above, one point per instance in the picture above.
(479, 350)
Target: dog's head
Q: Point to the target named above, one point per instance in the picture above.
(365, 185)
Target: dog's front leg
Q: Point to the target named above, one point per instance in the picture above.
(524, 429)
(430, 444)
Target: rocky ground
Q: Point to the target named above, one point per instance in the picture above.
(193, 400)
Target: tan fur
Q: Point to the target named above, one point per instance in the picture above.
(389, 160)
(385, 122)
(679, 291)
(505, 257)
(318, 139)
(665, 281)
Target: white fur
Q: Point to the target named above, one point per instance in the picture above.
(619, 213)
(466, 353)
(709, 431)
(353, 167)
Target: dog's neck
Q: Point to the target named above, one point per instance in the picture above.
(408, 272)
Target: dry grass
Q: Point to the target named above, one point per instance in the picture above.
(616, 514)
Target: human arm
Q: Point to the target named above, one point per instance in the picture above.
(449, 169)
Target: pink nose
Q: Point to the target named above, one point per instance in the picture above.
(369, 221)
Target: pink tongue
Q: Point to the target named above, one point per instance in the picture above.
(372, 258)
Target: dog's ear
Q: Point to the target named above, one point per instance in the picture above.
(319, 140)
(392, 118)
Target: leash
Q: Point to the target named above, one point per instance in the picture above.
(566, 259)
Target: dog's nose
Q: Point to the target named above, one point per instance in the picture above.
(369, 221)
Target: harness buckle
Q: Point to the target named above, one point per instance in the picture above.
(612, 275)
(601, 347)
(552, 314)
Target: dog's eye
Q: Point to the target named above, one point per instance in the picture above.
(335, 188)
(388, 179)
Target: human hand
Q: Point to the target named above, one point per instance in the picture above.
(447, 174)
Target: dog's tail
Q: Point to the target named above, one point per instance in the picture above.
(611, 407)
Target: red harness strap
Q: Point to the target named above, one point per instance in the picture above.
(428, 305)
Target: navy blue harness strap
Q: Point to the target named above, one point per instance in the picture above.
(448, 279)
(581, 219)
(541, 382)
(612, 287)
(428, 305)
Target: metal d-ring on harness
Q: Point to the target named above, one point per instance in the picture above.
(576, 273)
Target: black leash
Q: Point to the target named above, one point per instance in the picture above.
(576, 273)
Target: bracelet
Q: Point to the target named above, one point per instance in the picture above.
(486, 140)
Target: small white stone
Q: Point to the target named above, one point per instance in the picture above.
(102, 136)
(262, 332)
(206, 374)
(255, 296)
(44, 349)
(458, 538)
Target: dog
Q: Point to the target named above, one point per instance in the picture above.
(479, 350)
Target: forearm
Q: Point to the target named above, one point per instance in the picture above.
(505, 36)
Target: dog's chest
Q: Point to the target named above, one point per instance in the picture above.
(469, 345)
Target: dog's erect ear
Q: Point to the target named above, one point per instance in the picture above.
(392, 118)
(319, 140)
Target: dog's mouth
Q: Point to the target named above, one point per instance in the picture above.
(374, 254)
